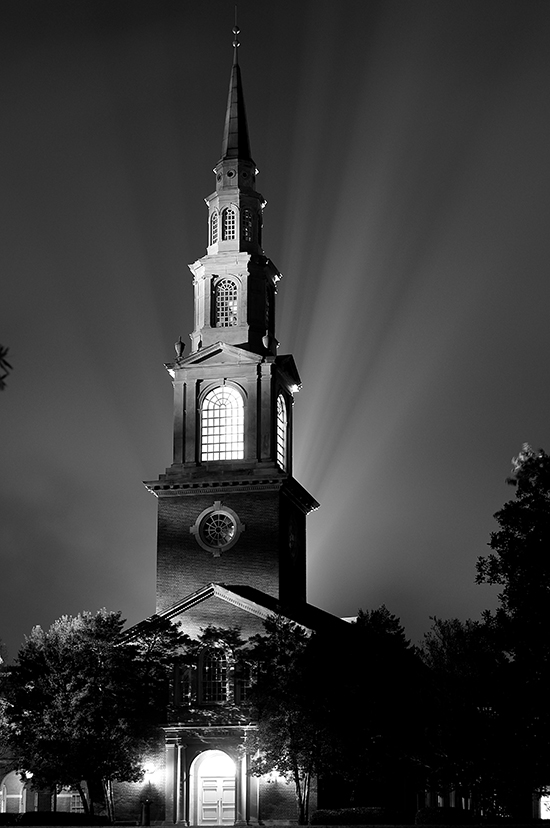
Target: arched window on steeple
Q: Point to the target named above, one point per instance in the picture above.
(229, 224)
(226, 303)
(214, 225)
(282, 433)
(247, 225)
(222, 425)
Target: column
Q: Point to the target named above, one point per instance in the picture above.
(170, 781)
(182, 792)
(179, 421)
(265, 424)
(191, 449)
(240, 791)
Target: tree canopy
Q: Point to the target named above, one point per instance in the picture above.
(290, 737)
(490, 678)
(469, 743)
(82, 702)
(339, 705)
(520, 562)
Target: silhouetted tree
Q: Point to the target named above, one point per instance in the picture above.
(291, 736)
(385, 732)
(520, 564)
(338, 704)
(470, 743)
(83, 703)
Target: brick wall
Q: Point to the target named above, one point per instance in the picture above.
(277, 800)
(183, 566)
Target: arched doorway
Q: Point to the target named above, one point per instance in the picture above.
(212, 789)
(13, 797)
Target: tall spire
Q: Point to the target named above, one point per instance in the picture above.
(236, 143)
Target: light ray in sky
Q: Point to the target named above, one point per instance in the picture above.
(403, 152)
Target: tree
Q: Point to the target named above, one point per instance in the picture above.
(291, 736)
(386, 706)
(520, 564)
(471, 746)
(83, 702)
(221, 652)
(339, 705)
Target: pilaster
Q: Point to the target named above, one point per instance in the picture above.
(170, 781)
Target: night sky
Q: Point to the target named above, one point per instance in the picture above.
(404, 152)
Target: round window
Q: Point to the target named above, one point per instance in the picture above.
(217, 528)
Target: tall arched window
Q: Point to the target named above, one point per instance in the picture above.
(282, 430)
(229, 224)
(222, 425)
(214, 228)
(246, 224)
(226, 304)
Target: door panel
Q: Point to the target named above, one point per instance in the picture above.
(217, 800)
(228, 800)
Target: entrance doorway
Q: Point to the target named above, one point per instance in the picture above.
(212, 781)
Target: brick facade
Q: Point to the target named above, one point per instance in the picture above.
(270, 554)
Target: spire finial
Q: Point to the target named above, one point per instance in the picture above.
(236, 44)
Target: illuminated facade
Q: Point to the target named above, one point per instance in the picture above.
(231, 542)
(231, 546)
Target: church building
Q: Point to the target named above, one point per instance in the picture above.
(231, 547)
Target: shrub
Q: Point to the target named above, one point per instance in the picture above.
(58, 818)
(353, 816)
(445, 816)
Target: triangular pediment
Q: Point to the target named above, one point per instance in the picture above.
(219, 353)
(254, 602)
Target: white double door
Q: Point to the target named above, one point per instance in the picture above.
(217, 800)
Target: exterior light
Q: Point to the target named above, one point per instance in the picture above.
(149, 771)
(275, 776)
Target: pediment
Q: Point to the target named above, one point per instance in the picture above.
(227, 595)
(252, 602)
(219, 353)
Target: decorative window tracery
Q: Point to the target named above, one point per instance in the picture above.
(229, 224)
(214, 226)
(282, 433)
(222, 425)
(227, 294)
